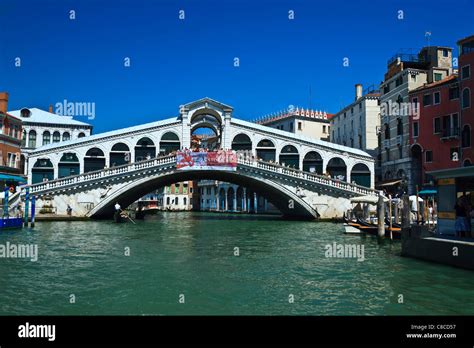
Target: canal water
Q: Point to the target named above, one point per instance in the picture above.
(193, 254)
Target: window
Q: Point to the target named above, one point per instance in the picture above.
(399, 126)
(453, 93)
(56, 137)
(438, 76)
(352, 111)
(466, 72)
(184, 200)
(437, 98)
(445, 52)
(436, 125)
(466, 136)
(32, 139)
(167, 200)
(81, 135)
(413, 78)
(387, 131)
(415, 129)
(360, 106)
(176, 188)
(291, 126)
(387, 151)
(23, 139)
(190, 190)
(324, 129)
(466, 98)
(66, 136)
(11, 158)
(176, 201)
(386, 89)
(398, 81)
(46, 138)
(300, 125)
(427, 99)
(428, 156)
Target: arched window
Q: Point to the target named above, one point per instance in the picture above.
(46, 138)
(119, 155)
(466, 98)
(289, 156)
(81, 135)
(66, 136)
(94, 160)
(145, 149)
(23, 139)
(32, 139)
(169, 142)
(466, 136)
(56, 137)
(241, 142)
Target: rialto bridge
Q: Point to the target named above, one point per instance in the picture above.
(302, 176)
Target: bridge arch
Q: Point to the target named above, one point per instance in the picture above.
(337, 168)
(42, 170)
(94, 159)
(169, 142)
(361, 175)
(144, 149)
(241, 142)
(266, 150)
(289, 156)
(275, 193)
(313, 162)
(119, 154)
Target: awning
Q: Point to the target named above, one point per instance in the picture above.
(389, 183)
(15, 178)
(367, 199)
(427, 192)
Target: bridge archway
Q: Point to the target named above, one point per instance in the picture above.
(290, 157)
(230, 199)
(360, 174)
(119, 154)
(242, 142)
(94, 160)
(337, 168)
(313, 163)
(68, 165)
(275, 193)
(169, 142)
(240, 199)
(266, 150)
(42, 170)
(144, 149)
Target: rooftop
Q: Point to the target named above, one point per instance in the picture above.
(448, 79)
(306, 113)
(41, 116)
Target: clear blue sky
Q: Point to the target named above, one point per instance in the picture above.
(176, 61)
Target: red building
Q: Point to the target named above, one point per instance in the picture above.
(441, 134)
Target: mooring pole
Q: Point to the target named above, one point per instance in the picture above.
(390, 215)
(33, 208)
(406, 212)
(5, 203)
(381, 215)
(27, 205)
(417, 207)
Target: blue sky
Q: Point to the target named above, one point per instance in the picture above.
(175, 61)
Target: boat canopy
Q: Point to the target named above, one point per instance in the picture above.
(367, 199)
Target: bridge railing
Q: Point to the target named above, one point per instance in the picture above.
(316, 178)
(103, 173)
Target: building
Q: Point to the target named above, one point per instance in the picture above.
(405, 72)
(466, 90)
(177, 196)
(10, 152)
(356, 125)
(42, 127)
(311, 123)
(441, 133)
(221, 196)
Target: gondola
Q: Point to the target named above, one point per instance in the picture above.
(119, 218)
(387, 222)
(372, 229)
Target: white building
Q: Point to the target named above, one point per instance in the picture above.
(356, 124)
(42, 128)
(311, 123)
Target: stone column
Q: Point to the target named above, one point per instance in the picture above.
(244, 198)
(255, 202)
(234, 208)
(226, 203)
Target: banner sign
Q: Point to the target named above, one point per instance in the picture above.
(217, 160)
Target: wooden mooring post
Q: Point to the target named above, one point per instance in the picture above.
(406, 212)
(381, 216)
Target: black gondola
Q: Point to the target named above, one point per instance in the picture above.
(119, 218)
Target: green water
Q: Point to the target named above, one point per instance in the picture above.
(193, 254)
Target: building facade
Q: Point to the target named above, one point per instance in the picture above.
(356, 125)
(177, 196)
(405, 72)
(221, 196)
(311, 123)
(10, 151)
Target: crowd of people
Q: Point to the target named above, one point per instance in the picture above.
(464, 213)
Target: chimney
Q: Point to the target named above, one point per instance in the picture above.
(358, 91)
(51, 108)
(3, 102)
